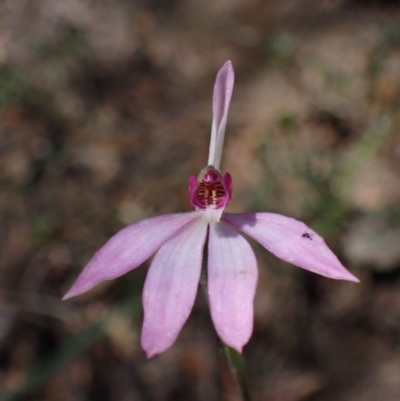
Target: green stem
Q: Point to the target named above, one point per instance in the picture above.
(235, 362)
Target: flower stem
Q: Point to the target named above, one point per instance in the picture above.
(235, 362)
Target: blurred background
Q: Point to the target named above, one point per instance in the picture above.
(105, 111)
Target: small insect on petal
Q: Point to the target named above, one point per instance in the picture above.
(292, 241)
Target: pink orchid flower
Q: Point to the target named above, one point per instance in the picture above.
(178, 241)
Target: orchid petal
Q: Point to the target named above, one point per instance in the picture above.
(232, 280)
(171, 286)
(221, 99)
(128, 249)
(292, 241)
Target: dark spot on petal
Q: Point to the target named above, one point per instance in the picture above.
(307, 235)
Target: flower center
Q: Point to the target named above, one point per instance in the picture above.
(210, 191)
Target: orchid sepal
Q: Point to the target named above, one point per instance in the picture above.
(292, 241)
(232, 281)
(222, 95)
(128, 249)
(171, 287)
